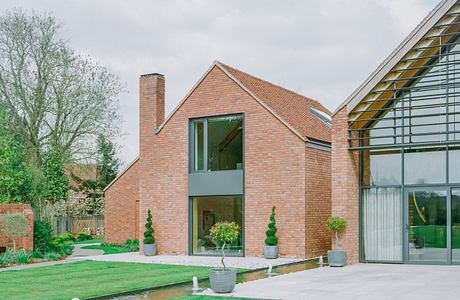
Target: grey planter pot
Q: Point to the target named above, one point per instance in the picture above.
(270, 252)
(337, 258)
(150, 249)
(222, 281)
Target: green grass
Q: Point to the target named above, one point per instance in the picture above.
(107, 249)
(90, 278)
(90, 241)
(209, 298)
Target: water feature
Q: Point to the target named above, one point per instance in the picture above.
(187, 288)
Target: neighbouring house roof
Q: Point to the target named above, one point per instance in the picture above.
(121, 173)
(394, 58)
(292, 109)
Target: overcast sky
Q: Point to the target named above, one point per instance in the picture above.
(319, 48)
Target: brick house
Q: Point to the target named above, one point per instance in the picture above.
(396, 151)
(234, 147)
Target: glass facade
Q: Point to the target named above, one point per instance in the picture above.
(407, 132)
(208, 210)
(216, 154)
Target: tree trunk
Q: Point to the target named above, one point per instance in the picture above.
(337, 240)
(223, 256)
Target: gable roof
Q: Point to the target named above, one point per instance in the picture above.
(394, 58)
(292, 109)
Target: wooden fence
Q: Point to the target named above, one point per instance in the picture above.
(93, 225)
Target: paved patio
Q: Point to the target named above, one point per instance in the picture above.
(361, 281)
(208, 261)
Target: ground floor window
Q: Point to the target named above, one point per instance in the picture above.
(208, 210)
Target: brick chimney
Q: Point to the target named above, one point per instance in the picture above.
(151, 108)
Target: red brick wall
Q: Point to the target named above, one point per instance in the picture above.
(274, 169)
(345, 198)
(121, 207)
(318, 201)
(26, 242)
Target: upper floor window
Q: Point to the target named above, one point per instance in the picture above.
(217, 143)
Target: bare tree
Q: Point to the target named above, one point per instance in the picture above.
(53, 96)
(13, 226)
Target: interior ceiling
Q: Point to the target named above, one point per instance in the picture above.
(417, 59)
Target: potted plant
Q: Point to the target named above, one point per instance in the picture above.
(337, 257)
(150, 247)
(271, 240)
(223, 280)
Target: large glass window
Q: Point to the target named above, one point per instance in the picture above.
(381, 168)
(218, 143)
(425, 166)
(206, 211)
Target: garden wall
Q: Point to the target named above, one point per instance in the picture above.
(27, 242)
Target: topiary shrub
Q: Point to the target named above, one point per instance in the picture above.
(271, 238)
(225, 232)
(42, 236)
(148, 234)
(336, 225)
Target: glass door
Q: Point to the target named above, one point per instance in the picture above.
(455, 200)
(427, 230)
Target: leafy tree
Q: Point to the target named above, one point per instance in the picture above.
(271, 238)
(14, 226)
(226, 232)
(336, 225)
(52, 95)
(42, 236)
(15, 183)
(108, 163)
(148, 234)
(56, 183)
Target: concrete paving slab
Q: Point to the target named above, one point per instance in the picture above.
(208, 261)
(361, 281)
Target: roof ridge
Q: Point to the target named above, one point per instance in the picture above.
(275, 85)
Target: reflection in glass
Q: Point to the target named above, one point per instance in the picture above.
(456, 225)
(427, 225)
(199, 146)
(454, 165)
(422, 166)
(206, 211)
(381, 168)
(225, 143)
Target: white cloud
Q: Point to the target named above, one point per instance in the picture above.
(323, 49)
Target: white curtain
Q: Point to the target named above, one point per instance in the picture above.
(382, 224)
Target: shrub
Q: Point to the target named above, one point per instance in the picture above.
(42, 236)
(36, 254)
(225, 232)
(62, 244)
(132, 245)
(14, 226)
(83, 236)
(6, 258)
(336, 225)
(148, 234)
(52, 256)
(271, 238)
(22, 257)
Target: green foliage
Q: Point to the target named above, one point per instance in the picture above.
(6, 258)
(113, 248)
(227, 232)
(56, 183)
(271, 238)
(148, 234)
(52, 256)
(336, 224)
(62, 244)
(42, 236)
(23, 257)
(108, 163)
(83, 236)
(15, 181)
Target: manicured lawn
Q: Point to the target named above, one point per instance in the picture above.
(209, 298)
(90, 241)
(90, 278)
(107, 249)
